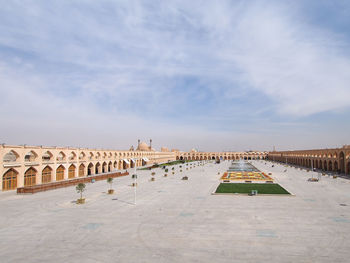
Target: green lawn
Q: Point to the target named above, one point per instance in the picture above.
(246, 188)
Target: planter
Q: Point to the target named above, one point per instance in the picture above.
(185, 178)
(153, 179)
(334, 176)
(134, 184)
(81, 201)
(173, 172)
(111, 191)
(165, 175)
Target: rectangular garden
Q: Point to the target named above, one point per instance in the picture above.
(242, 188)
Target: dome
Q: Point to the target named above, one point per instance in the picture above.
(143, 147)
(194, 150)
(164, 149)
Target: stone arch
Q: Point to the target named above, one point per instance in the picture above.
(115, 165)
(110, 166)
(348, 167)
(336, 168)
(97, 168)
(82, 156)
(330, 166)
(31, 156)
(342, 162)
(125, 164)
(60, 173)
(72, 156)
(90, 170)
(325, 166)
(71, 171)
(81, 172)
(10, 157)
(104, 167)
(47, 156)
(46, 175)
(9, 180)
(30, 177)
(120, 165)
(61, 156)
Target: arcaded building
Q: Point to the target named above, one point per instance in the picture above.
(31, 165)
(22, 166)
(331, 160)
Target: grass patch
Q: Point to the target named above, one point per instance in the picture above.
(242, 188)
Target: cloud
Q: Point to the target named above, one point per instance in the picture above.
(196, 69)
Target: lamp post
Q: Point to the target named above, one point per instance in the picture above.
(135, 184)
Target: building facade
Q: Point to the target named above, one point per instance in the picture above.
(195, 155)
(31, 165)
(332, 160)
(23, 165)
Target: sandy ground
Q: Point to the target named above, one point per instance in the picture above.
(180, 221)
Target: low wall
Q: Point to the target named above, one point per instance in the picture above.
(54, 185)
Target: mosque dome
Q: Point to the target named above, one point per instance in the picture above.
(194, 150)
(164, 149)
(143, 147)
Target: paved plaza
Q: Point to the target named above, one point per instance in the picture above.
(180, 221)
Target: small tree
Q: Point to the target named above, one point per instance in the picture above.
(166, 170)
(80, 189)
(110, 181)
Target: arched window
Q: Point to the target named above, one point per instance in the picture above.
(46, 156)
(72, 156)
(11, 156)
(81, 170)
(61, 157)
(81, 156)
(71, 171)
(30, 177)
(30, 156)
(60, 173)
(46, 175)
(9, 180)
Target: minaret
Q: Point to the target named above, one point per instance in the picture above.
(138, 144)
(150, 144)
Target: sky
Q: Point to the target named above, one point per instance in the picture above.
(211, 75)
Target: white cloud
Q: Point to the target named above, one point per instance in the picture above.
(119, 61)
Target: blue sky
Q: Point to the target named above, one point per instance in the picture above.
(214, 75)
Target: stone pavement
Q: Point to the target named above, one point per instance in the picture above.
(180, 221)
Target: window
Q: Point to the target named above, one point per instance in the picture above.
(46, 175)
(60, 173)
(71, 172)
(9, 180)
(30, 177)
